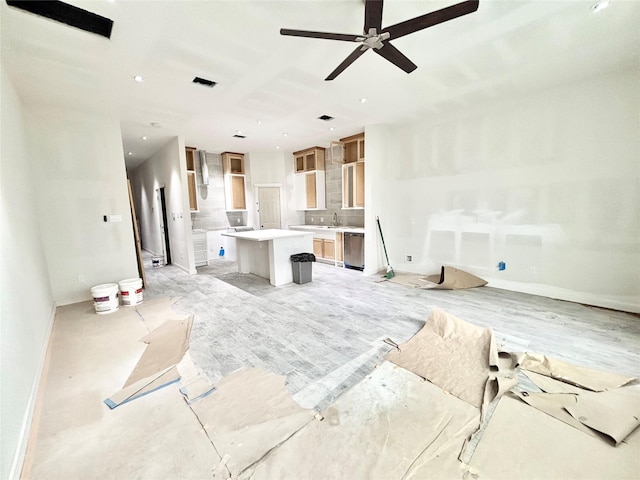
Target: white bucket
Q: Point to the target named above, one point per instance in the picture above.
(157, 261)
(131, 291)
(105, 298)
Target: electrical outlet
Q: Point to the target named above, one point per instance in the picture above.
(80, 278)
(321, 219)
(408, 258)
(532, 270)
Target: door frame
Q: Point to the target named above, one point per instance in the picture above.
(256, 193)
(165, 241)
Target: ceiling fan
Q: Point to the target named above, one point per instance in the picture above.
(377, 38)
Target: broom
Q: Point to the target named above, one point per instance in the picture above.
(390, 273)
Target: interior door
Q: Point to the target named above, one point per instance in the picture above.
(269, 207)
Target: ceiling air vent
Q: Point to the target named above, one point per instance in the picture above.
(326, 118)
(67, 14)
(204, 82)
(237, 135)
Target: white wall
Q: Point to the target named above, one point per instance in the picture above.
(549, 184)
(272, 168)
(166, 169)
(80, 176)
(26, 301)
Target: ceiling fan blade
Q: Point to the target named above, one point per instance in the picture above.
(327, 36)
(433, 18)
(372, 15)
(347, 61)
(396, 57)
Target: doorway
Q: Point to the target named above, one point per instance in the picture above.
(164, 231)
(269, 207)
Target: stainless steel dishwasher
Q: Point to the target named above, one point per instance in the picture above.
(354, 250)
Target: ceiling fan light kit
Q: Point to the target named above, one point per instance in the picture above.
(378, 39)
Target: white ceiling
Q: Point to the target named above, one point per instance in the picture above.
(505, 49)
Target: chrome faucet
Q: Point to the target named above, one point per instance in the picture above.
(335, 219)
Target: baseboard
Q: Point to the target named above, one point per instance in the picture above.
(25, 431)
(585, 298)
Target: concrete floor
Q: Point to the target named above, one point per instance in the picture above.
(324, 336)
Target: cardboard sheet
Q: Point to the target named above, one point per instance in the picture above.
(615, 412)
(192, 385)
(523, 442)
(156, 368)
(250, 413)
(451, 278)
(588, 378)
(156, 311)
(453, 354)
(391, 425)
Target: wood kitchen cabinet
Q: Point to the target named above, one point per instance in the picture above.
(234, 180)
(309, 159)
(324, 248)
(353, 148)
(233, 163)
(353, 185)
(190, 155)
(309, 181)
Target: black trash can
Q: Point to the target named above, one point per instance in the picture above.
(302, 267)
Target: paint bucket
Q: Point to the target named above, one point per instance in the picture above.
(131, 291)
(157, 261)
(105, 298)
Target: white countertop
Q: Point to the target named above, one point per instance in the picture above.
(327, 228)
(265, 235)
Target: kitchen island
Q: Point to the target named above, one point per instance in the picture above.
(267, 253)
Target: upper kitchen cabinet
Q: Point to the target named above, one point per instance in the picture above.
(353, 148)
(190, 154)
(353, 185)
(234, 181)
(233, 163)
(353, 171)
(309, 182)
(309, 160)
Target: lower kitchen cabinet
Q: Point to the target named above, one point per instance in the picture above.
(324, 248)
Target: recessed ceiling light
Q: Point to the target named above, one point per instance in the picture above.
(130, 153)
(331, 129)
(277, 147)
(259, 122)
(138, 78)
(144, 138)
(285, 134)
(599, 6)
(363, 100)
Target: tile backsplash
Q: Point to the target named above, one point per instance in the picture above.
(351, 217)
